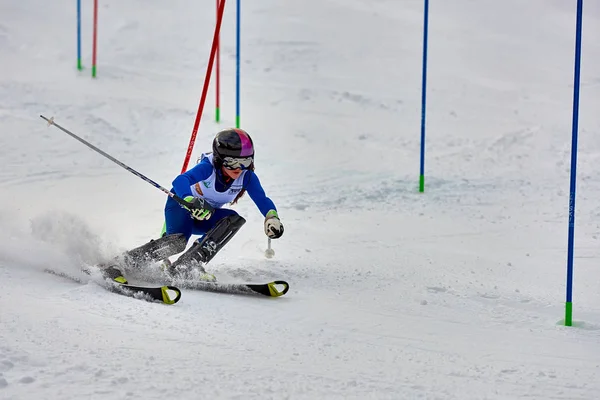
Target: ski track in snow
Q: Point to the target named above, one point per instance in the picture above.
(455, 293)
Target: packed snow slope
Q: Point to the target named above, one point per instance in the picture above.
(455, 293)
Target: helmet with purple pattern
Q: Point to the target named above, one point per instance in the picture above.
(233, 149)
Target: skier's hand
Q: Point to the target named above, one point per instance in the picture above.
(199, 208)
(273, 226)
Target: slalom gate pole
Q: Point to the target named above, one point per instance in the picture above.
(218, 75)
(237, 66)
(571, 240)
(95, 41)
(79, 65)
(211, 60)
(111, 158)
(424, 97)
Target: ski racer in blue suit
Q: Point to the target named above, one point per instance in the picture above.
(221, 177)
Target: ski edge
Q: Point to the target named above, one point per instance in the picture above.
(152, 294)
(270, 289)
(159, 293)
(265, 289)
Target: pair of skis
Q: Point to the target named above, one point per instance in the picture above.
(168, 294)
(171, 294)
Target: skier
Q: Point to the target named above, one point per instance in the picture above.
(221, 177)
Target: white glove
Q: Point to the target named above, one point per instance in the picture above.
(199, 208)
(273, 226)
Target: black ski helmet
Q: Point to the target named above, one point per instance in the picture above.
(234, 143)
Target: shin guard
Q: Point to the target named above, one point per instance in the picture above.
(203, 250)
(155, 250)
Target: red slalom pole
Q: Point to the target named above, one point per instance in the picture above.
(217, 75)
(95, 34)
(211, 60)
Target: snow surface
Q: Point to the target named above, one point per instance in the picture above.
(456, 293)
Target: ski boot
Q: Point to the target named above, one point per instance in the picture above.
(113, 273)
(190, 265)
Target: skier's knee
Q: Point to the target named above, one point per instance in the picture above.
(177, 242)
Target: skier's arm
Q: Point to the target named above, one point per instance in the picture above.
(257, 193)
(182, 184)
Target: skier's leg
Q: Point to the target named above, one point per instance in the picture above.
(178, 219)
(220, 228)
(155, 250)
(179, 229)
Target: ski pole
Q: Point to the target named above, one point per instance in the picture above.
(269, 252)
(111, 158)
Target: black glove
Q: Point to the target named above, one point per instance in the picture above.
(199, 208)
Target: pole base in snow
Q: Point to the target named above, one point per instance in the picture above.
(568, 313)
(421, 183)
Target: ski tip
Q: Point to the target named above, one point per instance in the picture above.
(166, 294)
(274, 291)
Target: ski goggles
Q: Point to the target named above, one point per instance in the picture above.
(237, 163)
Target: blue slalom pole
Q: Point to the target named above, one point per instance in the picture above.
(237, 66)
(576, 83)
(423, 97)
(79, 66)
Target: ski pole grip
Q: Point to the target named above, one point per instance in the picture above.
(181, 201)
